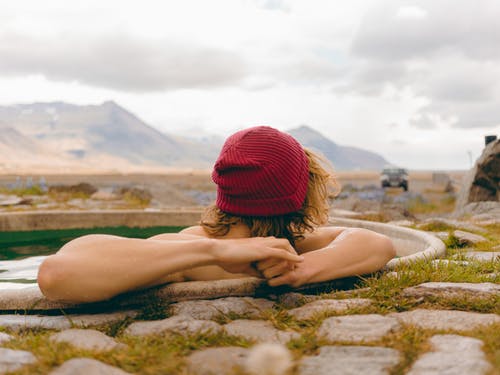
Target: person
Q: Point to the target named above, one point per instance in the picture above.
(267, 221)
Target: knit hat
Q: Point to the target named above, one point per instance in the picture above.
(261, 172)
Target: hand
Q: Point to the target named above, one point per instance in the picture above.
(237, 256)
(299, 275)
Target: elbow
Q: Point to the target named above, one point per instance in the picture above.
(385, 248)
(51, 276)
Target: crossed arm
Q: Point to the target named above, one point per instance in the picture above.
(98, 267)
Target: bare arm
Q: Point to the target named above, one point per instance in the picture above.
(351, 252)
(98, 267)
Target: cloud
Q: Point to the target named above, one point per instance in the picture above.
(450, 58)
(120, 62)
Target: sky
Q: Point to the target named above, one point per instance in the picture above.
(415, 81)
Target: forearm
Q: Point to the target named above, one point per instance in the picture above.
(354, 252)
(97, 267)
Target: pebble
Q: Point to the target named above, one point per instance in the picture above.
(446, 262)
(12, 360)
(452, 354)
(357, 328)
(402, 223)
(309, 310)
(86, 366)
(259, 331)
(466, 238)
(177, 324)
(350, 360)
(483, 256)
(5, 337)
(209, 309)
(291, 300)
(216, 361)
(445, 319)
(452, 289)
(87, 339)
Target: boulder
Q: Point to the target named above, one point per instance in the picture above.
(482, 183)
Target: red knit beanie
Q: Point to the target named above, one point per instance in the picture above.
(261, 172)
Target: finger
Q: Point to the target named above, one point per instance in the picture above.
(283, 254)
(277, 270)
(285, 279)
(265, 264)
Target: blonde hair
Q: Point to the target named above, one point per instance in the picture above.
(314, 211)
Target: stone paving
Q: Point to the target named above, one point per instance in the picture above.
(452, 354)
(350, 337)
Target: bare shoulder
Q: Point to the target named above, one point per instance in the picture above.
(185, 234)
(319, 238)
(196, 230)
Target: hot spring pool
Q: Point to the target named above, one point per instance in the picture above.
(22, 252)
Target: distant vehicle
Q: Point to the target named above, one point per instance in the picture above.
(394, 177)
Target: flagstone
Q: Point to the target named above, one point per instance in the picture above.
(311, 309)
(259, 331)
(350, 360)
(357, 328)
(452, 354)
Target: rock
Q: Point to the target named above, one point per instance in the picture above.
(12, 360)
(350, 360)
(438, 222)
(452, 354)
(5, 337)
(309, 310)
(88, 339)
(177, 324)
(357, 328)
(444, 289)
(19, 322)
(443, 236)
(86, 366)
(466, 238)
(88, 320)
(10, 200)
(259, 331)
(82, 188)
(104, 195)
(134, 193)
(446, 262)
(293, 299)
(486, 219)
(216, 361)
(482, 183)
(209, 309)
(481, 208)
(393, 212)
(402, 223)
(483, 256)
(446, 319)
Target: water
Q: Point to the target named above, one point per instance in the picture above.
(21, 253)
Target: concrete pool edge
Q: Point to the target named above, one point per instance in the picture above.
(32, 299)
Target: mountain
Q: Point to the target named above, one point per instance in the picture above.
(107, 137)
(342, 157)
(105, 132)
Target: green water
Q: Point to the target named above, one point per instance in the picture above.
(18, 245)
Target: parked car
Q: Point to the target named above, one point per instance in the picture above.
(394, 177)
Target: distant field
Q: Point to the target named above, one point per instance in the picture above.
(170, 188)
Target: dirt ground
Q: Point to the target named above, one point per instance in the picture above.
(182, 189)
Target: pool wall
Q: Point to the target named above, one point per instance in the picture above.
(410, 245)
(46, 220)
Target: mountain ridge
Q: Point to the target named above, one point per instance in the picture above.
(109, 136)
